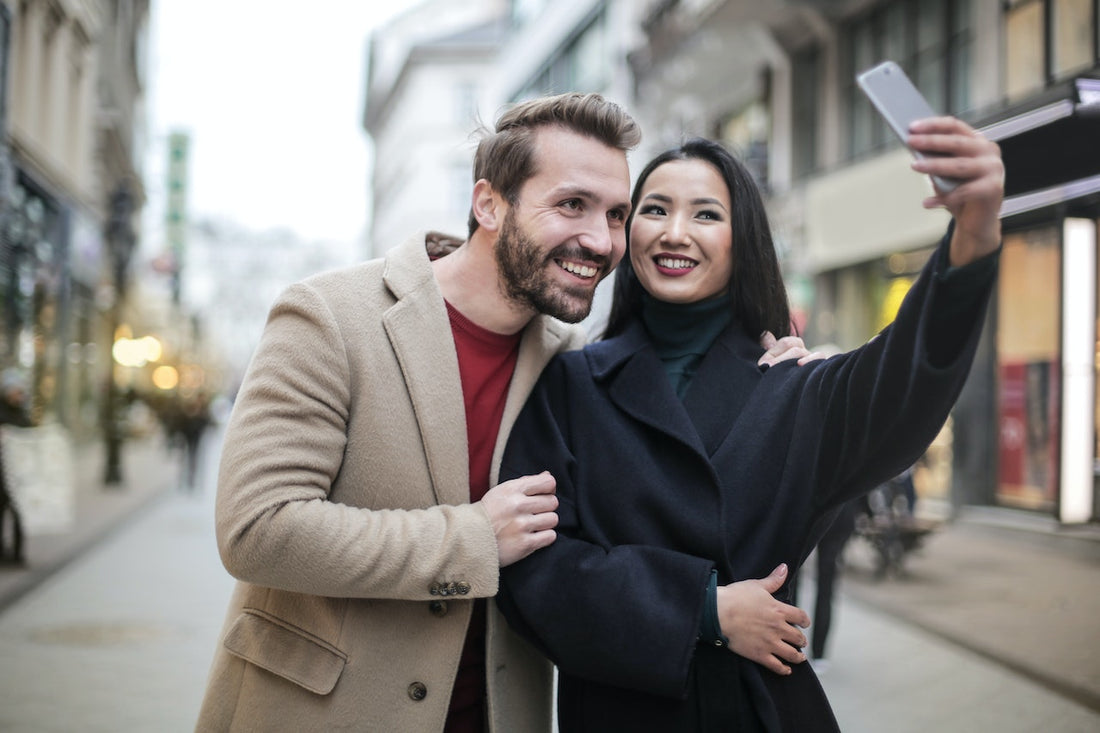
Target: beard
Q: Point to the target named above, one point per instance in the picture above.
(524, 278)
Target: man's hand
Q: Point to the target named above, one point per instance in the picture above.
(784, 349)
(759, 627)
(956, 150)
(522, 513)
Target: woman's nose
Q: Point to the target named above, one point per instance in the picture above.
(676, 231)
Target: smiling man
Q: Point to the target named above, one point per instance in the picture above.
(354, 502)
(356, 499)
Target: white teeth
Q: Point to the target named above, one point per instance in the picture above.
(674, 263)
(579, 270)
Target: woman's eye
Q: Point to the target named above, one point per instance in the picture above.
(709, 215)
(653, 209)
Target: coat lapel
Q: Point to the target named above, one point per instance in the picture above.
(420, 335)
(542, 339)
(639, 386)
(722, 386)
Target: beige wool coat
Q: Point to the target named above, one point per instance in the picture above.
(343, 510)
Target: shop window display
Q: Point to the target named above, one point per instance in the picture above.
(1028, 369)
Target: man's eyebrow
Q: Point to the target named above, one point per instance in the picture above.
(568, 191)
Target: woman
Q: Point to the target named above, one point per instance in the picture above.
(682, 468)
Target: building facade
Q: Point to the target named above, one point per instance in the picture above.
(70, 193)
(428, 87)
(775, 81)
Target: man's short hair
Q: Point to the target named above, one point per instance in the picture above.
(506, 156)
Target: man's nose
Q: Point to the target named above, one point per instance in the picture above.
(598, 238)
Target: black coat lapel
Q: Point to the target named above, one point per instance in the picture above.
(638, 385)
(722, 386)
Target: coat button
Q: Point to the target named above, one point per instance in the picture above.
(438, 608)
(436, 589)
(463, 587)
(418, 691)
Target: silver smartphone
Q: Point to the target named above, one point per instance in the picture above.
(899, 103)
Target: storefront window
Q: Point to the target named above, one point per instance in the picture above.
(1025, 68)
(1096, 396)
(1028, 318)
(1073, 25)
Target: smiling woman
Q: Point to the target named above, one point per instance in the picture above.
(682, 241)
(690, 479)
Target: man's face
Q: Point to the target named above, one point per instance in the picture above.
(567, 230)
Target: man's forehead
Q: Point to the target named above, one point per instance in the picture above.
(581, 165)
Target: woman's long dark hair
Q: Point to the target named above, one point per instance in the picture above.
(757, 293)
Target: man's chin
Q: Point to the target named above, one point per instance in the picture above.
(573, 310)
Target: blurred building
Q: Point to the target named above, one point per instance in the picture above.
(71, 114)
(429, 82)
(437, 72)
(775, 80)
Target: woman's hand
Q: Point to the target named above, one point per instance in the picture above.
(759, 627)
(955, 150)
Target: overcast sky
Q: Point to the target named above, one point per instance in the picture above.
(271, 93)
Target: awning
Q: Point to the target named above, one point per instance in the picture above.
(1052, 151)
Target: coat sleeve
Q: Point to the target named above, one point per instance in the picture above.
(284, 448)
(882, 404)
(626, 615)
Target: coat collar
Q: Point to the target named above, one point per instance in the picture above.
(638, 385)
(420, 335)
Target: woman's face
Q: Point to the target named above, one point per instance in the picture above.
(681, 239)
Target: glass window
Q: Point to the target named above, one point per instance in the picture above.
(805, 84)
(1028, 355)
(1024, 64)
(465, 103)
(1073, 26)
(930, 39)
(1096, 396)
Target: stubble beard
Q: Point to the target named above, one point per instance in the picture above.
(524, 280)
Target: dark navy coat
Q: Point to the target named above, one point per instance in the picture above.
(743, 474)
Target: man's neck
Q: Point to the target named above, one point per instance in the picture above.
(470, 281)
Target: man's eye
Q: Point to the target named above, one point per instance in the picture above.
(617, 215)
(573, 204)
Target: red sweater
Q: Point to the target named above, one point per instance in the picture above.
(486, 361)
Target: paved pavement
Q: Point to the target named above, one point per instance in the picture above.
(992, 629)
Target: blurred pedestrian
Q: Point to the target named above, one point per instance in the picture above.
(828, 567)
(14, 410)
(193, 420)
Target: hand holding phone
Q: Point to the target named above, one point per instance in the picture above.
(900, 103)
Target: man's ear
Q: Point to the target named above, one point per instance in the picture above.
(488, 206)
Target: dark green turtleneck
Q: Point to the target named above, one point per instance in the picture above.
(683, 332)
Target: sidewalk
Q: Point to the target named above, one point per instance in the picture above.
(1012, 588)
(992, 627)
(148, 471)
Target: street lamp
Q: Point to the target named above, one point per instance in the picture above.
(121, 239)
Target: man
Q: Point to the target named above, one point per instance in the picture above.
(354, 501)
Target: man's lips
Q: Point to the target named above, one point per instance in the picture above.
(578, 268)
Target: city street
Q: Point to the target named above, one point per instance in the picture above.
(121, 638)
